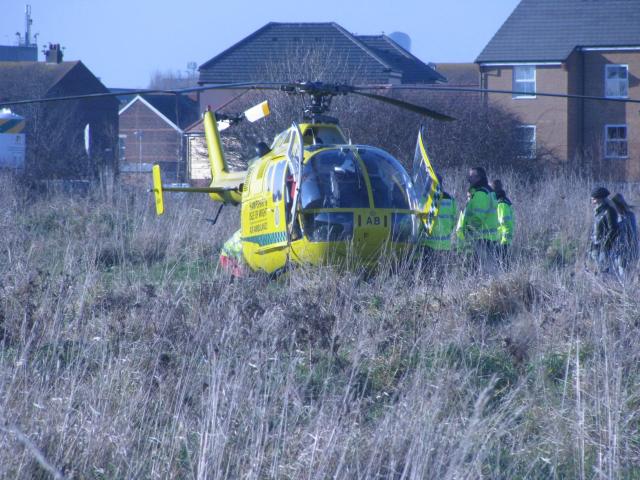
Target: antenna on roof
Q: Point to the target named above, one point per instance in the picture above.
(28, 21)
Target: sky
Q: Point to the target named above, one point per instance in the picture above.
(124, 41)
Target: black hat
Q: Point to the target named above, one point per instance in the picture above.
(600, 192)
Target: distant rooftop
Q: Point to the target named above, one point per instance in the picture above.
(549, 30)
(316, 51)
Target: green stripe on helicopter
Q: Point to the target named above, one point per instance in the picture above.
(266, 238)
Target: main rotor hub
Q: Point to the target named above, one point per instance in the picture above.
(320, 95)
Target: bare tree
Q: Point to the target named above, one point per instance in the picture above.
(173, 79)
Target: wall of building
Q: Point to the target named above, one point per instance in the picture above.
(599, 113)
(548, 114)
(149, 139)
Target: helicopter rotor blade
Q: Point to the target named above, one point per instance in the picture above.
(257, 112)
(406, 105)
(446, 89)
(227, 86)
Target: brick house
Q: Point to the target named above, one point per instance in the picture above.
(572, 47)
(152, 128)
(69, 140)
(289, 52)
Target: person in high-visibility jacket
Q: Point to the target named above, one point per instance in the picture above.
(231, 259)
(478, 222)
(506, 218)
(444, 224)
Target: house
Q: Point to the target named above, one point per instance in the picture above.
(577, 47)
(199, 167)
(152, 131)
(289, 52)
(66, 140)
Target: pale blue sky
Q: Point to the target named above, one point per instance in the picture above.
(124, 41)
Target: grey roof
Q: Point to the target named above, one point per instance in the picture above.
(315, 51)
(180, 109)
(549, 30)
(460, 74)
(413, 69)
(19, 80)
(18, 54)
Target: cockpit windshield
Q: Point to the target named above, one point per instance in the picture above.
(391, 185)
(333, 179)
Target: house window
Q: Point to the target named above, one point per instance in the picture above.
(524, 81)
(616, 81)
(122, 146)
(615, 141)
(526, 138)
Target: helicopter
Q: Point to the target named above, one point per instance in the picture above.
(312, 196)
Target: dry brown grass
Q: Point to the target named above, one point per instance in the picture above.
(124, 353)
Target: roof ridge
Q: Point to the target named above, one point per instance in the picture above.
(246, 39)
(363, 46)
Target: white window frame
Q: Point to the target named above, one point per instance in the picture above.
(607, 140)
(514, 82)
(122, 147)
(533, 150)
(609, 66)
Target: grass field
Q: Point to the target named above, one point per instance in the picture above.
(125, 353)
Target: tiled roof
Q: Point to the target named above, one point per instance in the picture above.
(180, 109)
(20, 80)
(314, 51)
(460, 74)
(413, 69)
(549, 30)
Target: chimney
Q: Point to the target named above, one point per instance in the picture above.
(53, 54)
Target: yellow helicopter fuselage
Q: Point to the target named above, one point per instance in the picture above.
(345, 210)
(313, 199)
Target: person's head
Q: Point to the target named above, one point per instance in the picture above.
(599, 195)
(496, 186)
(620, 203)
(477, 176)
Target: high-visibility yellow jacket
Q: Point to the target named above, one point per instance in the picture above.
(506, 221)
(232, 248)
(444, 224)
(479, 219)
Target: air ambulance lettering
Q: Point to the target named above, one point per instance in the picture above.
(260, 227)
(373, 221)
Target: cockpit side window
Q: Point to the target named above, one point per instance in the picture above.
(333, 179)
(278, 181)
(390, 184)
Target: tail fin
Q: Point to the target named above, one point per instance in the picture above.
(221, 177)
(216, 158)
(157, 189)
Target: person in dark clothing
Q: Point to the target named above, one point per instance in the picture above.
(627, 250)
(605, 230)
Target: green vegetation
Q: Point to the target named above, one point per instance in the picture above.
(126, 353)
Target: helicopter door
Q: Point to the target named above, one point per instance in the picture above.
(426, 184)
(295, 157)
